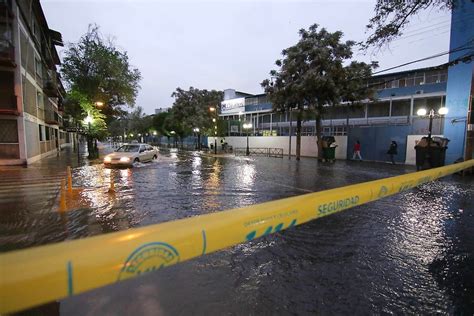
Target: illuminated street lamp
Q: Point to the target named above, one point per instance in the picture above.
(247, 127)
(214, 120)
(88, 120)
(198, 144)
(431, 115)
(99, 103)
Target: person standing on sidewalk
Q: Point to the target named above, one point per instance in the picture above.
(357, 151)
(393, 150)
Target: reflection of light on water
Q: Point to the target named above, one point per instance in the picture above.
(246, 174)
(214, 177)
(196, 173)
(125, 176)
(417, 237)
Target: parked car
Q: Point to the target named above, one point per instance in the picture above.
(129, 154)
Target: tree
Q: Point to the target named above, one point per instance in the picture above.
(99, 71)
(391, 17)
(92, 119)
(312, 76)
(191, 108)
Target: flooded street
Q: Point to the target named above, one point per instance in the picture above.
(410, 253)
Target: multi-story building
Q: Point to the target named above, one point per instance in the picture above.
(392, 116)
(31, 92)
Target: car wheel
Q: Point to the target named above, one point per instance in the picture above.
(136, 160)
(154, 157)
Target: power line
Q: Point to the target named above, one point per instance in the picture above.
(460, 48)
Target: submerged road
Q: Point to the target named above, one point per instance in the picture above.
(409, 253)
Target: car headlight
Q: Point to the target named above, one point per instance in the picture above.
(107, 159)
(124, 159)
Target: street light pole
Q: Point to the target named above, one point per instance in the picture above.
(247, 127)
(214, 120)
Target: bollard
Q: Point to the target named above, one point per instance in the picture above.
(62, 198)
(69, 180)
(112, 185)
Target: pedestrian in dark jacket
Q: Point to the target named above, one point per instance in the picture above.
(393, 150)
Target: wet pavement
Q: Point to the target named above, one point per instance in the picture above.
(407, 254)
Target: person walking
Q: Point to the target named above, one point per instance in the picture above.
(393, 150)
(357, 151)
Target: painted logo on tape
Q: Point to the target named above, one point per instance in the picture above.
(147, 258)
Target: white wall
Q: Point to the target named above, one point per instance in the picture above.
(309, 147)
(412, 140)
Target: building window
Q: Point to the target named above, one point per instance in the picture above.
(8, 132)
(402, 83)
(401, 107)
(38, 67)
(409, 81)
(48, 136)
(378, 109)
(419, 80)
(39, 100)
(41, 132)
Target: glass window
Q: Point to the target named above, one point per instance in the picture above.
(378, 109)
(47, 133)
(38, 67)
(409, 81)
(419, 81)
(402, 83)
(39, 100)
(401, 107)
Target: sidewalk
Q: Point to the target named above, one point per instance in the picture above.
(34, 188)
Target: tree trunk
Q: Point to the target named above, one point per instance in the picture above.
(319, 136)
(298, 135)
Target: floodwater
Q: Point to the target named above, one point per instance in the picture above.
(412, 253)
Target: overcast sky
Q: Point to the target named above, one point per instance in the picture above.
(230, 44)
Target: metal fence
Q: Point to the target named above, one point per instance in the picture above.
(261, 152)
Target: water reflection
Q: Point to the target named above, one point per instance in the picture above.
(400, 255)
(246, 175)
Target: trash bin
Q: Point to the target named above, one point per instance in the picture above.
(431, 154)
(329, 148)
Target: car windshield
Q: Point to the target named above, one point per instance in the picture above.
(128, 148)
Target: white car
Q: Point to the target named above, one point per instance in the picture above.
(129, 154)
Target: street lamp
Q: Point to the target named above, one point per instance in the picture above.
(99, 103)
(198, 144)
(247, 127)
(88, 120)
(214, 120)
(431, 115)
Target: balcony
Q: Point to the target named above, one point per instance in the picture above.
(50, 85)
(8, 104)
(51, 117)
(7, 53)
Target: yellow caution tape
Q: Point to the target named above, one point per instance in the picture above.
(43, 274)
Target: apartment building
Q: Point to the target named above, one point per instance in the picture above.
(31, 93)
